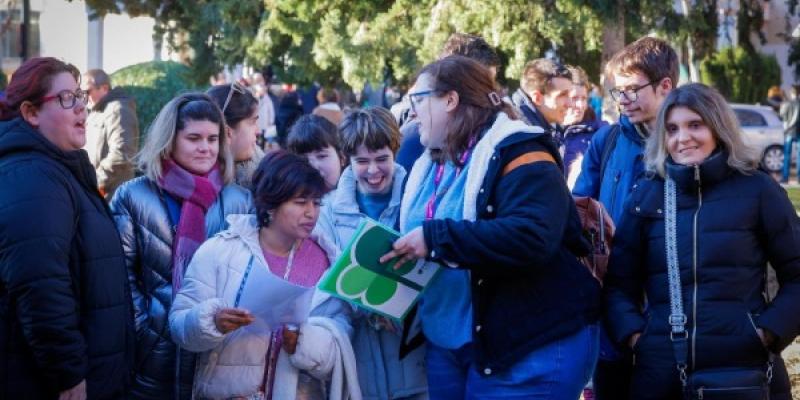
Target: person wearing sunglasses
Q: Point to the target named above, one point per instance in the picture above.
(240, 109)
(183, 198)
(65, 315)
(511, 313)
(644, 73)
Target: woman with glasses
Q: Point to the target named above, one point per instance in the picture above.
(512, 312)
(163, 217)
(240, 109)
(65, 315)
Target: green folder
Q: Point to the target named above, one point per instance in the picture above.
(359, 278)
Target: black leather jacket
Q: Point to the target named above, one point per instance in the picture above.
(144, 224)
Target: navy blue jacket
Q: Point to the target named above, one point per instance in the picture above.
(729, 225)
(528, 289)
(65, 306)
(576, 141)
(624, 166)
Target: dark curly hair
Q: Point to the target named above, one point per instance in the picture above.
(280, 177)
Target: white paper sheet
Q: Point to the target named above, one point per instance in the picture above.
(273, 301)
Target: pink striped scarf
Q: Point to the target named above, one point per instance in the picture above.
(197, 193)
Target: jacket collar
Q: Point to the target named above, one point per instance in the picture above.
(343, 200)
(113, 94)
(630, 130)
(711, 171)
(530, 112)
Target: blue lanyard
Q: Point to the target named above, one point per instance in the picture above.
(244, 280)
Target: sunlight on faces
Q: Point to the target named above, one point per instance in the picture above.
(243, 137)
(648, 99)
(689, 140)
(432, 113)
(296, 217)
(197, 146)
(328, 163)
(578, 105)
(65, 128)
(373, 170)
(554, 104)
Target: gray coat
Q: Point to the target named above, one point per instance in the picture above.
(381, 374)
(112, 139)
(790, 114)
(142, 218)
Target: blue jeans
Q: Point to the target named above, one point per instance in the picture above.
(788, 145)
(556, 371)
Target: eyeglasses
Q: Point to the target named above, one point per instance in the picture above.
(416, 98)
(235, 87)
(67, 99)
(631, 94)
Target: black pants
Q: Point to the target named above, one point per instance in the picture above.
(612, 379)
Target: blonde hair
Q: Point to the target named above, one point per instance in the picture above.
(161, 135)
(716, 114)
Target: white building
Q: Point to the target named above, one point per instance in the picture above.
(62, 29)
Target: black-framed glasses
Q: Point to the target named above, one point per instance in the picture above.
(631, 94)
(235, 87)
(416, 98)
(67, 99)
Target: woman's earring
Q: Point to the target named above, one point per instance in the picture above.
(267, 218)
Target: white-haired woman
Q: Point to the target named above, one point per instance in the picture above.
(695, 241)
(163, 217)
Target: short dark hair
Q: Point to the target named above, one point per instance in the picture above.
(654, 58)
(470, 46)
(312, 133)
(538, 75)
(280, 177)
(99, 77)
(374, 127)
(327, 95)
(241, 106)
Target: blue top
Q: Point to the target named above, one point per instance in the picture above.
(373, 204)
(446, 305)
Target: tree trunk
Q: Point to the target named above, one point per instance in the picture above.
(613, 41)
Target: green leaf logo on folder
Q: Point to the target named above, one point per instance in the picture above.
(358, 276)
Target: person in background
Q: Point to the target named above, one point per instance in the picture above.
(112, 132)
(162, 217)
(66, 327)
(512, 313)
(257, 363)
(267, 103)
(462, 44)
(371, 187)
(580, 124)
(644, 73)
(596, 101)
(543, 97)
(329, 105)
(775, 97)
(790, 114)
(725, 220)
(288, 112)
(240, 109)
(318, 140)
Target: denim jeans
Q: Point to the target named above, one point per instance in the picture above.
(788, 145)
(556, 371)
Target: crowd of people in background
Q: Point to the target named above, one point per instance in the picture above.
(122, 264)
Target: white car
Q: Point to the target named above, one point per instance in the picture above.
(762, 129)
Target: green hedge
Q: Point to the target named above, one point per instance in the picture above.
(740, 76)
(153, 84)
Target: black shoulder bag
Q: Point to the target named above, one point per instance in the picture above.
(729, 383)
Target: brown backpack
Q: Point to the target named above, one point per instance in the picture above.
(598, 228)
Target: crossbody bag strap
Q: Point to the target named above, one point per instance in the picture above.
(677, 318)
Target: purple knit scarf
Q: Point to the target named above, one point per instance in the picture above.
(197, 193)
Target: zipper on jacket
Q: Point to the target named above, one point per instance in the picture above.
(614, 190)
(694, 260)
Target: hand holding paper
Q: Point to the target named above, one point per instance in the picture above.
(408, 248)
(231, 319)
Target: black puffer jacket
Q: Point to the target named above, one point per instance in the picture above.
(729, 225)
(65, 311)
(143, 220)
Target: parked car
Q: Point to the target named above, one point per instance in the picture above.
(763, 129)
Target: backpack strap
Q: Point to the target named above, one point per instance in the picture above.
(608, 148)
(528, 158)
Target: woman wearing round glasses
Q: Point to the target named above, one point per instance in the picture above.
(240, 109)
(163, 217)
(512, 313)
(65, 317)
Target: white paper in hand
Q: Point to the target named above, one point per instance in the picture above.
(273, 301)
